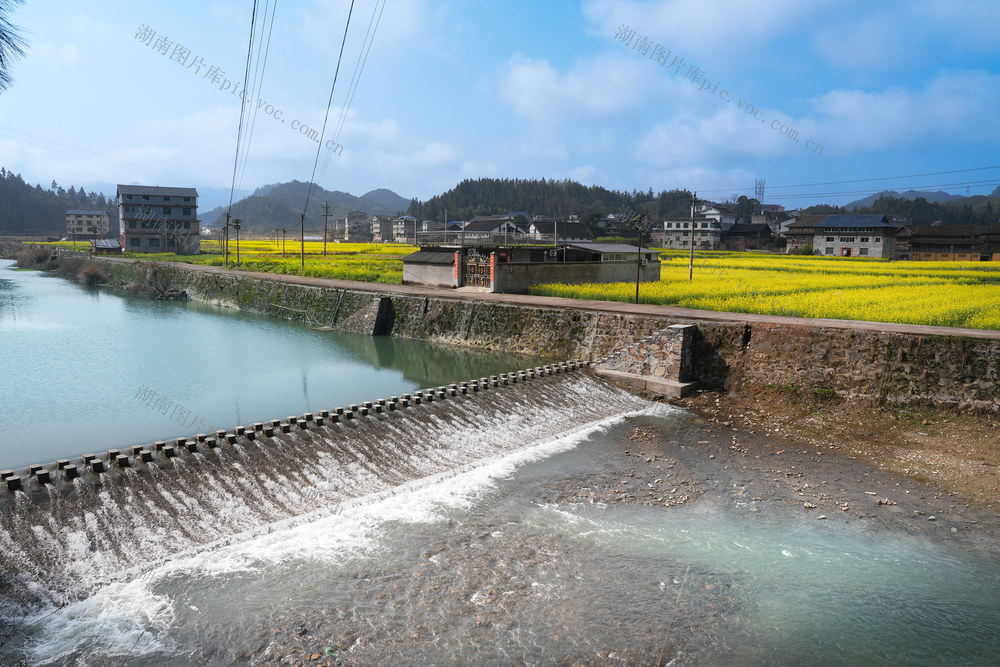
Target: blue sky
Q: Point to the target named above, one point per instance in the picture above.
(523, 88)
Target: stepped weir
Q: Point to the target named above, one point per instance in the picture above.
(67, 529)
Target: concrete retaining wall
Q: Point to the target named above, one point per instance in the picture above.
(733, 355)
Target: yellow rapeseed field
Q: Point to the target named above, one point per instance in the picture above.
(366, 262)
(957, 294)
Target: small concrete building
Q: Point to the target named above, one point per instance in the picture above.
(514, 269)
(158, 219)
(82, 225)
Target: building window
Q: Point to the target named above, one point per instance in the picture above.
(134, 243)
(829, 239)
(166, 199)
(131, 225)
(828, 251)
(863, 252)
(864, 239)
(166, 210)
(847, 239)
(145, 197)
(154, 243)
(878, 239)
(187, 199)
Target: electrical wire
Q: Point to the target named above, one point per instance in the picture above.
(326, 116)
(818, 194)
(257, 82)
(352, 88)
(243, 105)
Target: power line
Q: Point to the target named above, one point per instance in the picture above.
(257, 81)
(864, 180)
(326, 116)
(243, 106)
(352, 88)
(76, 151)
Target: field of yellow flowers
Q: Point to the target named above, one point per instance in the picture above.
(366, 262)
(957, 294)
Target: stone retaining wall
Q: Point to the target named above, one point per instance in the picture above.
(725, 356)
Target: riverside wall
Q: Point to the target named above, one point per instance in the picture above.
(731, 355)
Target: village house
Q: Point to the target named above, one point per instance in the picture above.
(87, 224)
(355, 228)
(404, 229)
(949, 243)
(710, 221)
(513, 269)
(802, 232)
(565, 231)
(747, 236)
(856, 235)
(158, 219)
(382, 229)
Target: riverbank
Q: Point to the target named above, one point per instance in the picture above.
(698, 464)
(956, 451)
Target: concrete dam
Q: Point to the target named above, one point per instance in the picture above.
(70, 527)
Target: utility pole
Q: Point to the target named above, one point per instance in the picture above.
(638, 222)
(302, 243)
(694, 200)
(226, 242)
(236, 226)
(326, 214)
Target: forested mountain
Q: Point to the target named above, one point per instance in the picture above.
(978, 210)
(30, 209)
(280, 205)
(870, 200)
(491, 196)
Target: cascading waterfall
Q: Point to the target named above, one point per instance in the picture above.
(61, 541)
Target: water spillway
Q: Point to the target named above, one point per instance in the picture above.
(67, 529)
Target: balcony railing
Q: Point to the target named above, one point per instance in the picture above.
(465, 238)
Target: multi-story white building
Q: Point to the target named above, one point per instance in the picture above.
(710, 221)
(155, 219)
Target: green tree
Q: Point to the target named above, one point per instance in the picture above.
(12, 45)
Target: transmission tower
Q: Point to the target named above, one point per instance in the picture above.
(758, 193)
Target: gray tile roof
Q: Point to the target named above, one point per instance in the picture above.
(156, 190)
(854, 220)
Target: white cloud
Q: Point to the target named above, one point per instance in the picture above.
(708, 31)
(955, 107)
(605, 85)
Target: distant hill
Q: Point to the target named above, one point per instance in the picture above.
(492, 196)
(932, 197)
(27, 209)
(280, 205)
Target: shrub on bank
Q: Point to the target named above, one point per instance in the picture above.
(92, 275)
(36, 257)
